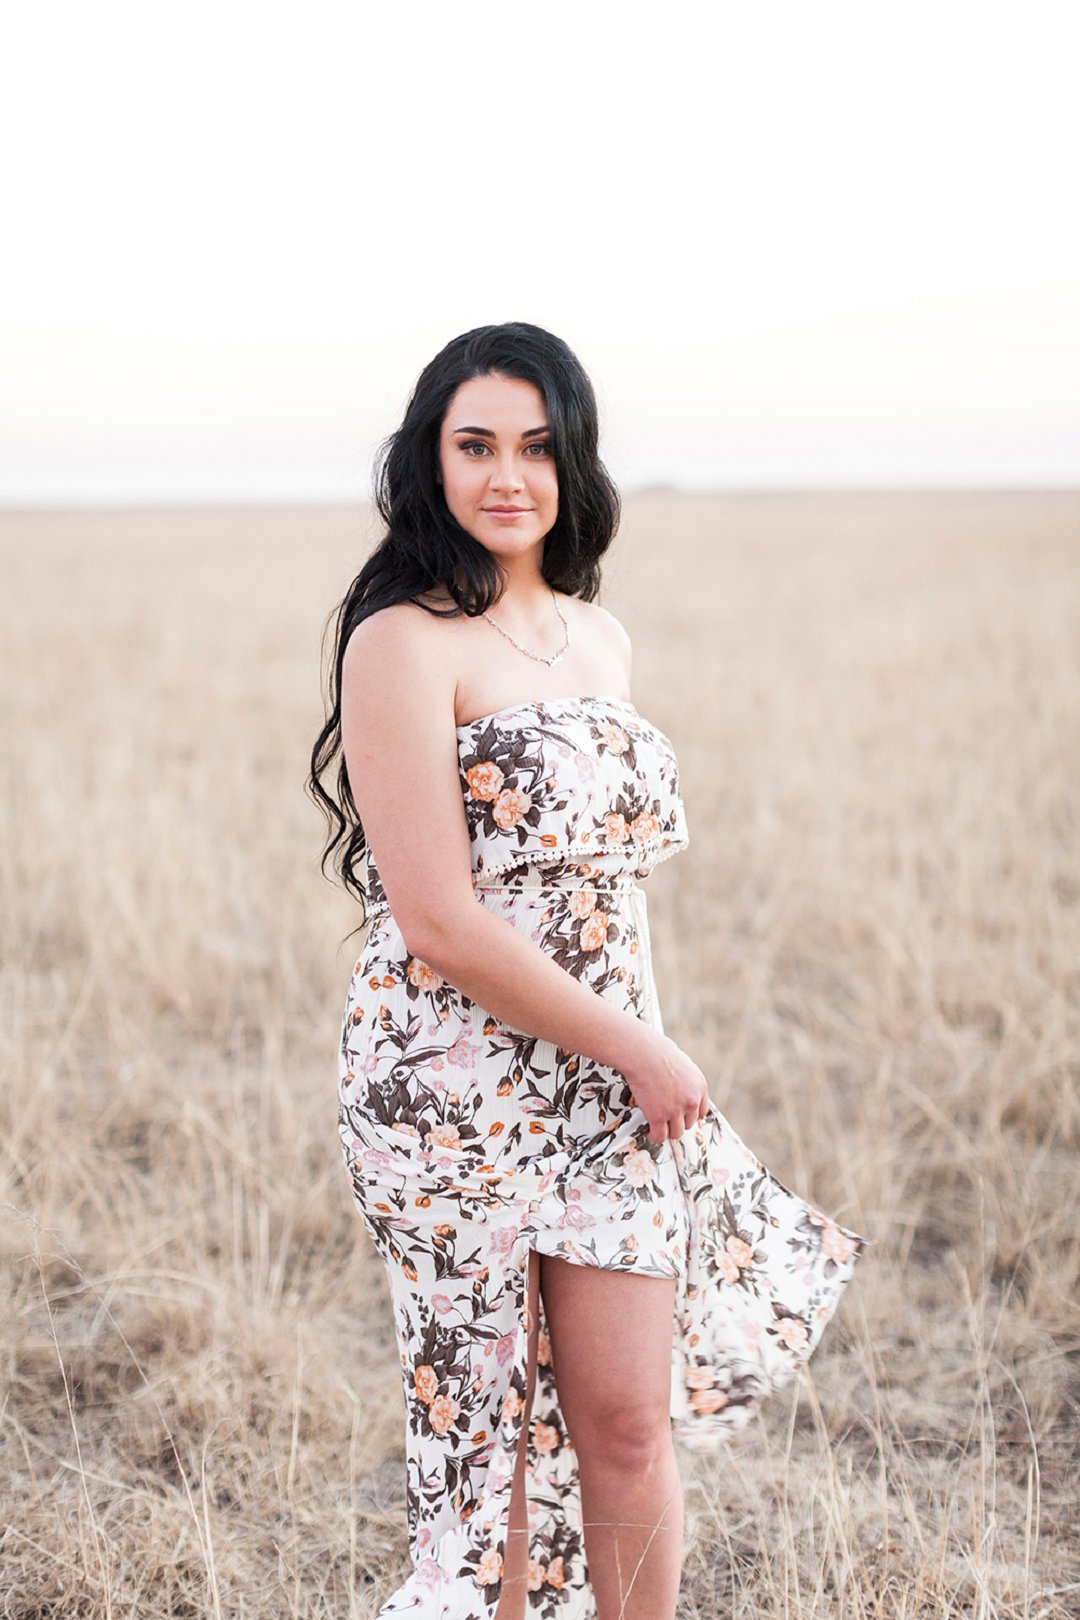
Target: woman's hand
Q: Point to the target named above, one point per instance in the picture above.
(667, 1086)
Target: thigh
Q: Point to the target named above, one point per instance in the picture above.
(611, 1335)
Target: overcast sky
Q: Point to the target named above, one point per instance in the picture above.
(792, 244)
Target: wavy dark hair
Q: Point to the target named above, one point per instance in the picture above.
(424, 546)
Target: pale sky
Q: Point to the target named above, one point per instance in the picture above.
(792, 244)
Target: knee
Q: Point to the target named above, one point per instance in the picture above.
(632, 1434)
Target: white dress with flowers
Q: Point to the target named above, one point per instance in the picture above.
(471, 1143)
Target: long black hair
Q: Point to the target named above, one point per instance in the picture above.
(425, 547)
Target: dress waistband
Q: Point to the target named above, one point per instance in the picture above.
(603, 883)
(535, 878)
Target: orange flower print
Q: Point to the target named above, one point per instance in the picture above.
(792, 1332)
(485, 780)
(489, 1569)
(513, 1404)
(584, 901)
(615, 829)
(543, 1350)
(639, 1167)
(708, 1400)
(556, 1575)
(426, 1383)
(613, 737)
(594, 931)
(836, 1245)
(405, 1129)
(699, 1377)
(444, 1135)
(545, 1438)
(443, 1413)
(536, 1575)
(739, 1250)
(644, 827)
(424, 977)
(510, 807)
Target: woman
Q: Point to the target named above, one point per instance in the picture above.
(582, 1254)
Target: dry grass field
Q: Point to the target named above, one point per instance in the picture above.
(871, 947)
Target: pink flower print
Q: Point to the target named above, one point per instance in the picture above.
(428, 1572)
(442, 1303)
(504, 1349)
(583, 902)
(577, 1218)
(501, 1240)
(463, 1052)
(510, 807)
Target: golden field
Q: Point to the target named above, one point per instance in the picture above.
(871, 947)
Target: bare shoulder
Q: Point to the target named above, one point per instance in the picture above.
(400, 745)
(401, 625)
(609, 631)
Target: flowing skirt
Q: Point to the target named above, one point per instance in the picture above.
(470, 1145)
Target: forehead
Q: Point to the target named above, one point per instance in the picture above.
(496, 401)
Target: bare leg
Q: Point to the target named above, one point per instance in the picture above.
(515, 1594)
(611, 1354)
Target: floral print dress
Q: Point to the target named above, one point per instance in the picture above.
(470, 1144)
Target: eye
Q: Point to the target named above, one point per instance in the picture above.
(540, 444)
(473, 444)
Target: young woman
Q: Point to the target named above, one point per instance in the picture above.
(584, 1259)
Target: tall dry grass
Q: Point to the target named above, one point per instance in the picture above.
(871, 947)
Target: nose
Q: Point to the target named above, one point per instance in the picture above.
(506, 473)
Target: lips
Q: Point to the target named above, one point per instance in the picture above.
(506, 508)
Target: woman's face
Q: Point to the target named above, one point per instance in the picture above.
(495, 451)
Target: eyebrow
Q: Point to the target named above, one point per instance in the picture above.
(486, 433)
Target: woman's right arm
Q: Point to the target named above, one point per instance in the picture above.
(400, 741)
